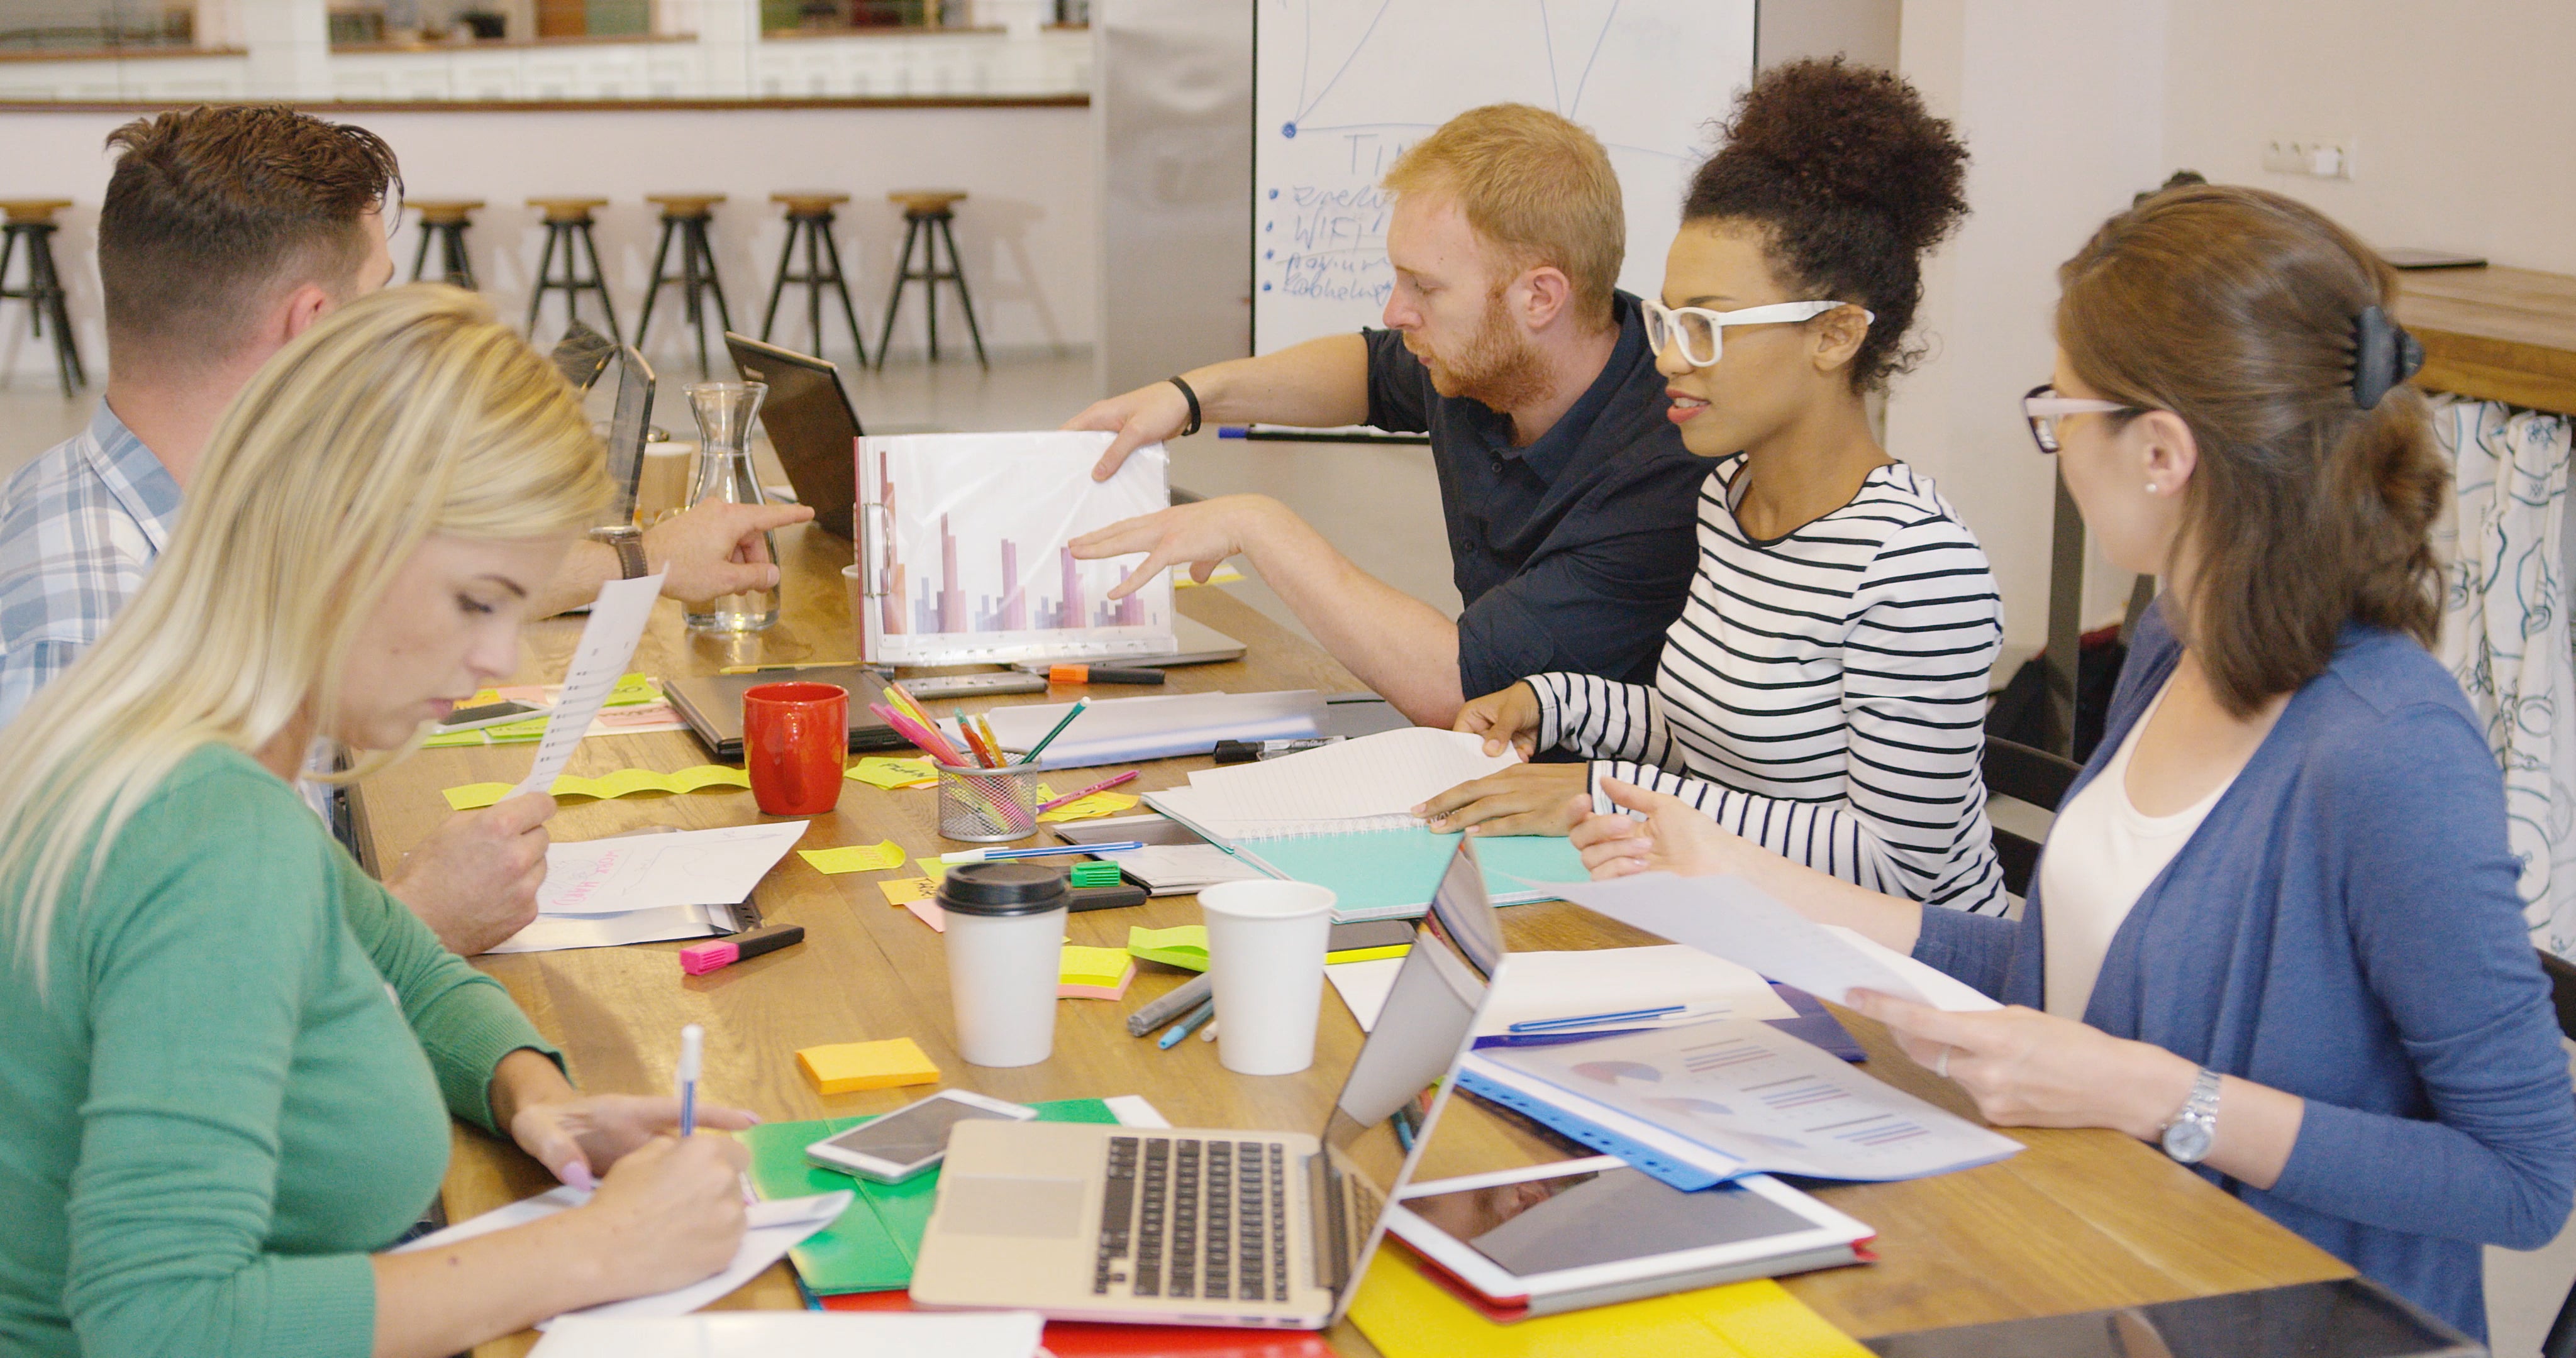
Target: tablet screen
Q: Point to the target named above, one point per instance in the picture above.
(1574, 1220)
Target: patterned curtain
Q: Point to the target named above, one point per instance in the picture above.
(2505, 634)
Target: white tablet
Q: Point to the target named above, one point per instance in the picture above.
(1550, 1238)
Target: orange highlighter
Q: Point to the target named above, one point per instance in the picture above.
(1101, 674)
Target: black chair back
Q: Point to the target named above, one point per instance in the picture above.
(2031, 775)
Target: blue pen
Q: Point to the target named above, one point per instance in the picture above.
(693, 1040)
(1006, 855)
(1189, 1024)
(1594, 1020)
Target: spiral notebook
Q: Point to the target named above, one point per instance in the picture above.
(1339, 817)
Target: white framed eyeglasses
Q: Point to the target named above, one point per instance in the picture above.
(2043, 407)
(1701, 333)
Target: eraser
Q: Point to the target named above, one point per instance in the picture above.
(847, 1067)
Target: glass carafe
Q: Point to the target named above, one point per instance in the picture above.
(725, 411)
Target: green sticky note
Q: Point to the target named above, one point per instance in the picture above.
(1182, 945)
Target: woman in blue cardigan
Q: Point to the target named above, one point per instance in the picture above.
(2281, 936)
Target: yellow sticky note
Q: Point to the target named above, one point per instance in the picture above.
(847, 1067)
(622, 783)
(1094, 973)
(906, 890)
(1182, 945)
(1097, 804)
(933, 869)
(855, 858)
(632, 689)
(1408, 1316)
(879, 771)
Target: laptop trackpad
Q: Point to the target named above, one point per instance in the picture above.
(1040, 1209)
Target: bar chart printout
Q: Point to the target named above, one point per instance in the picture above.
(965, 549)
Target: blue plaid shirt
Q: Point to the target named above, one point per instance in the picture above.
(79, 527)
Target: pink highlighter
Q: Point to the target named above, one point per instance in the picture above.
(707, 957)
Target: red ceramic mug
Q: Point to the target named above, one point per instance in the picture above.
(795, 744)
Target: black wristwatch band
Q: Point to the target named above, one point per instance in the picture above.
(1193, 398)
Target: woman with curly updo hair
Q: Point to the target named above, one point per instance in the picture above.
(1823, 693)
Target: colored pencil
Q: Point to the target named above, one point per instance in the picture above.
(1102, 786)
(1079, 704)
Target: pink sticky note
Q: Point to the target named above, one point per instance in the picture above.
(927, 909)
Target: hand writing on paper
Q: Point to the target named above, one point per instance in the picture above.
(474, 880)
(671, 1212)
(1674, 837)
(2029, 1069)
(1145, 415)
(1508, 717)
(1201, 535)
(712, 550)
(577, 1135)
(1525, 799)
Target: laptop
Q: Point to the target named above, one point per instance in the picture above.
(1193, 1226)
(711, 704)
(811, 424)
(628, 427)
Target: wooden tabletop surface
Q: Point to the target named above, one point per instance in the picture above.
(2082, 1219)
(2496, 334)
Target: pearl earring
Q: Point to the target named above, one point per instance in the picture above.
(2151, 487)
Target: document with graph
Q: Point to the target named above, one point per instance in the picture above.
(1735, 1096)
(963, 549)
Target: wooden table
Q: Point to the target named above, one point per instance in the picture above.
(2082, 1219)
(2494, 334)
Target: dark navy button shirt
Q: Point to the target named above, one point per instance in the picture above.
(1575, 552)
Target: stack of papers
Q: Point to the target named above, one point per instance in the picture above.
(1124, 730)
(1545, 986)
(797, 1334)
(650, 887)
(1372, 783)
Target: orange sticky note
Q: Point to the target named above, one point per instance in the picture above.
(905, 890)
(847, 1067)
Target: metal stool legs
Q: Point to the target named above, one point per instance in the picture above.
(43, 294)
(454, 268)
(822, 270)
(697, 276)
(931, 229)
(576, 241)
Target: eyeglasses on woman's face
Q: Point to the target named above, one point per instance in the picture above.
(1701, 333)
(2043, 407)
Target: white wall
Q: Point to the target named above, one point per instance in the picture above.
(1029, 232)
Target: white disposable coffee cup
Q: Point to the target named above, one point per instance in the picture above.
(662, 485)
(1005, 943)
(1266, 958)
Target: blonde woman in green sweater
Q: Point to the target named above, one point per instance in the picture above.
(232, 1057)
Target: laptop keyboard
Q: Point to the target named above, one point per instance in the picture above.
(1190, 1218)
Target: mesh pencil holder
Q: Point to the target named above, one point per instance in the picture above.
(988, 806)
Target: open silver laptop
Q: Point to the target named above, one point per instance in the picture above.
(1203, 1227)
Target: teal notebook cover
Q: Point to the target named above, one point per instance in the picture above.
(870, 1247)
(1390, 874)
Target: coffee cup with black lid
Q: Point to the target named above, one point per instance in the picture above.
(1005, 943)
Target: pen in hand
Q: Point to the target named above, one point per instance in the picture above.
(693, 1041)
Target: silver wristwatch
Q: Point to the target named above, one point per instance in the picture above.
(2193, 1130)
(628, 542)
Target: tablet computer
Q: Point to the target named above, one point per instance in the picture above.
(811, 424)
(711, 704)
(1544, 1239)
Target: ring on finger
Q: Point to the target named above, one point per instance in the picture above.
(1941, 1067)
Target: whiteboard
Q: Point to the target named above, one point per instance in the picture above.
(1341, 87)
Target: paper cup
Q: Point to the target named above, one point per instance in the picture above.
(1005, 944)
(662, 488)
(1266, 959)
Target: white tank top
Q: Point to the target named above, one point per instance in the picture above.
(2102, 855)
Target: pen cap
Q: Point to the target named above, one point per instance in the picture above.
(1002, 889)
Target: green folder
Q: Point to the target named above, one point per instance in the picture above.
(871, 1247)
(1390, 874)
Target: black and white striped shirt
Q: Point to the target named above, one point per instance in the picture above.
(1823, 694)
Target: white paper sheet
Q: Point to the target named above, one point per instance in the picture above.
(1773, 1102)
(774, 1228)
(561, 933)
(1369, 783)
(1731, 918)
(1555, 985)
(608, 640)
(798, 1334)
(643, 872)
(1116, 730)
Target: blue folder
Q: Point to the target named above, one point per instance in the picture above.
(1390, 874)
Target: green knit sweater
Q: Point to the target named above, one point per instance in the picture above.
(236, 1086)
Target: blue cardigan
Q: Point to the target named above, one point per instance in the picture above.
(2345, 927)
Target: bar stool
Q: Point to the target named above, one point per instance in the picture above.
(568, 224)
(32, 220)
(686, 215)
(443, 220)
(809, 216)
(926, 217)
